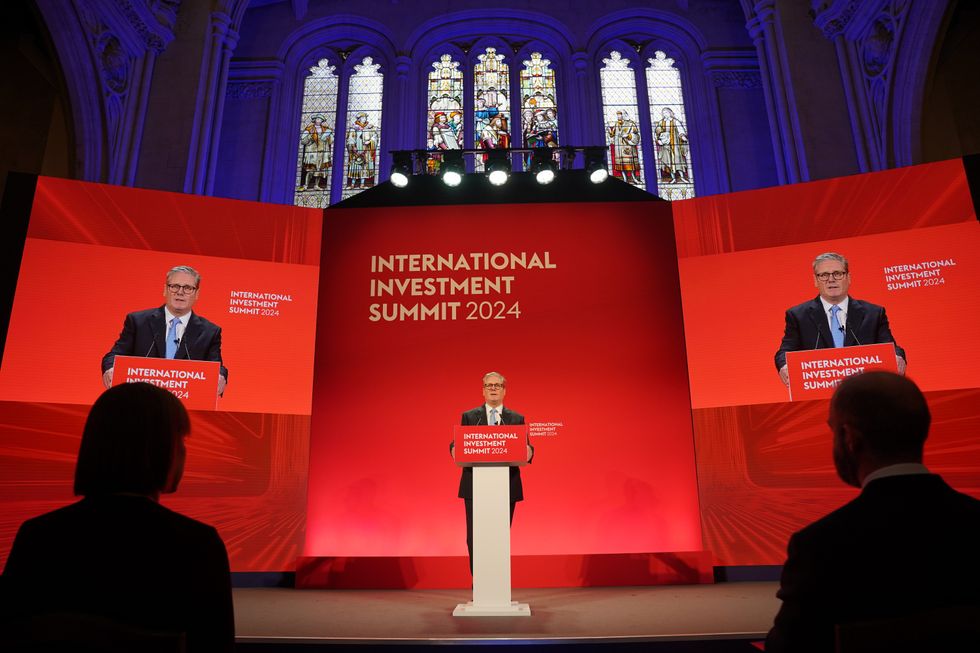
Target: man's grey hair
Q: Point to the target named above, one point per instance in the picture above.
(186, 269)
(496, 374)
(830, 256)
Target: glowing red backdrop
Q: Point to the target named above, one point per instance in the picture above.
(597, 345)
(913, 244)
(94, 253)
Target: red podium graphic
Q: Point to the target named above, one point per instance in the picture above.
(193, 382)
(490, 450)
(490, 445)
(815, 373)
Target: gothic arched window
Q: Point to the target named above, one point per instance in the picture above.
(675, 179)
(444, 105)
(316, 137)
(362, 136)
(491, 102)
(619, 114)
(539, 104)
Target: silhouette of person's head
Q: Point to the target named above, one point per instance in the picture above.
(878, 419)
(133, 443)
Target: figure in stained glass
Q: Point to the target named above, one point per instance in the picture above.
(456, 122)
(445, 117)
(675, 178)
(362, 153)
(314, 167)
(317, 153)
(623, 137)
(362, 138)
(672, 148)
(539, 111)
(495, 134)
(541, 128)
(484, 113)
(619, 103)
(491, 114)
(443, 134)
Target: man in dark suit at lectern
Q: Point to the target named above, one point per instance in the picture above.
(491, 413)
(834, 319)
(170, 331)
(907, 544)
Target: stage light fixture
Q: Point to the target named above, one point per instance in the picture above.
(498, 167)
(451, 168)
(543, 165)
(401, 168)
(595, 164)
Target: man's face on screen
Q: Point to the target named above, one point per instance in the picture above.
(180, 301)
(831, 289)
(494, 390)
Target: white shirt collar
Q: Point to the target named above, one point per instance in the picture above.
(168, 316)
(900, 469)
(500, 411)
(842, 316)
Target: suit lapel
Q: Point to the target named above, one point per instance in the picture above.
(191, 333)
(824, 339)
(159, 329)
(505, 416)
(855, 318)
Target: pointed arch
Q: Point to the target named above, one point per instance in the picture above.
(644, 32)
(344, 41)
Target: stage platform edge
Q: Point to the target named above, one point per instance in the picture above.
(452, 572)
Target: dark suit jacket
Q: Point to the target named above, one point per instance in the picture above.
(807, 328)
(144, 333)
(906, 544)
(478, 417)
(127, 558)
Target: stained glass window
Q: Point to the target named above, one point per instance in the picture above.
(444, 122)
(491, 102)
(539, 106)
(675, 180)
(619, 111)
(362, 137)
(316, 137)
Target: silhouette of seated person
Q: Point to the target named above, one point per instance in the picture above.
(907, 544)
(117, 555)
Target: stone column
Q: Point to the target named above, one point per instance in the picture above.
(779, 98)
(206, 130)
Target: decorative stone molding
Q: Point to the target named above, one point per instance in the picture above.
(735, 68)
(833, 18)
(153, 21)
(110, 55)
(113, 63)
(735, 79)
(877, 44)
(249, 90)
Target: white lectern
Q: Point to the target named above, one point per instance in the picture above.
(491, 451)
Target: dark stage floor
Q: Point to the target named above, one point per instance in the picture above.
(719, 617)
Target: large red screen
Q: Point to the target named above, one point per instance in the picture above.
(913, 245)
(95, 253)
(596, 346)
